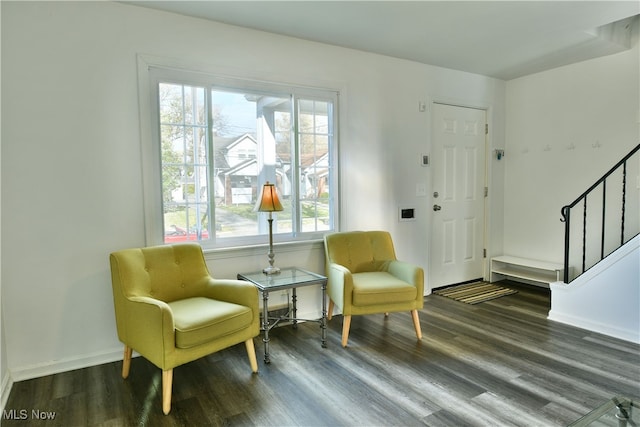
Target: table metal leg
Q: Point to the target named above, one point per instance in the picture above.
(323, 320)
(265, 325)
(294, 299)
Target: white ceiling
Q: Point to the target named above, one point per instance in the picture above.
(502, 39)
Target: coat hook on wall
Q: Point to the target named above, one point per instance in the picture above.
(596, 144)
(499, 153)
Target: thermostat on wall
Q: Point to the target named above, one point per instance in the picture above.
(407, 214)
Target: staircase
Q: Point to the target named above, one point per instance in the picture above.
(600, 290)
(603, 218)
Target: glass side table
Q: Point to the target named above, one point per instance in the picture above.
(616, 412)
(288, 278)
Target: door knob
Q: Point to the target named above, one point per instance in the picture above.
(437, 207)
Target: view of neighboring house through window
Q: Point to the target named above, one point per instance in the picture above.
(220, 144)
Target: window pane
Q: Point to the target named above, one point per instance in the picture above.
(220, 144)
(171, 103)
(284, 154)
(184, 162)
(250, 148)
(314, 140)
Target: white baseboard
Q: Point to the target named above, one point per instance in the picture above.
(57, 366)
(5, 389)
(588, 324)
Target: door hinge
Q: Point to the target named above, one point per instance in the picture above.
(486, 128)
(486, 191)
(484, 253)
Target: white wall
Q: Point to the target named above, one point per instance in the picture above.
(72, 188)
(555, 121)
(4, 370)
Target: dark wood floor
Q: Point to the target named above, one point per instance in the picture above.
(496, 363)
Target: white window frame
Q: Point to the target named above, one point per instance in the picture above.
(150, 71)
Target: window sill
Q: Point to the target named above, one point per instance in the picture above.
(254, 250)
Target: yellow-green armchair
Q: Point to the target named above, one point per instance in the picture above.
(170, 310)
(364, 277)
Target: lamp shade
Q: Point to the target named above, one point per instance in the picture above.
(268, 200)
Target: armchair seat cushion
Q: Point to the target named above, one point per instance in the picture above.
(373, 288)
(199, 320)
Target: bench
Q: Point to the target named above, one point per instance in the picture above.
(539, 272)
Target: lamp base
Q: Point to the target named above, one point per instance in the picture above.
(271, 270)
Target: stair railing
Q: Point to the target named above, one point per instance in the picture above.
(606, 202)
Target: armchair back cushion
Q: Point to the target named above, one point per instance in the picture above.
(165, 273)
(360, 251)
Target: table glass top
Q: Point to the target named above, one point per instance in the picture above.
(290, 277)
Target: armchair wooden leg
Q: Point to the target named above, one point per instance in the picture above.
(416, 323)
(346, 324)
(330, 310)
(251, 351)
(167, 380)
(126, 361)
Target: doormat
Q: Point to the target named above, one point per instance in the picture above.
(474, 293)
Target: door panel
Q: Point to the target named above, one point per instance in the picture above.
(457, 230)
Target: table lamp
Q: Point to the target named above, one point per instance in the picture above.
(269, 202)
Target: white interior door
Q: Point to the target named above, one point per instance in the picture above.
(458, 164)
